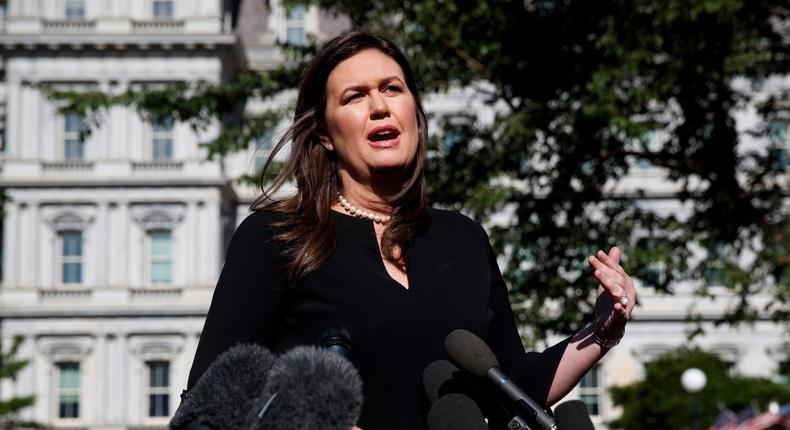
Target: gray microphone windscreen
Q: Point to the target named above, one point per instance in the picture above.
(573, 415)
(442, 377)
(470, 352)
(227, 390)
(309, 388)
(455, 412)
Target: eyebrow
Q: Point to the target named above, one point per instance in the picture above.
(363, 87)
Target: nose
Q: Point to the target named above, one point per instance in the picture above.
(378, 107)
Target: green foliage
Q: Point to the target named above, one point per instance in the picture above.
(10, 366)
(577, 85)
(659, 401)
(574, 90)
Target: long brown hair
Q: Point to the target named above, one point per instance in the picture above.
(308, 236)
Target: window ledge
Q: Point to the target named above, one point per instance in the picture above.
(155, 293)
(67, 166)
(157, 25)
(146, 166)
(64, 295)
(68, 25)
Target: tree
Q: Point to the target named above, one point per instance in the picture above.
(577, 91)
(10, 366)
(659, 401)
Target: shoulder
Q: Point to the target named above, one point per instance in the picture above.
(456, 224)
(258, 222)
(257, 229)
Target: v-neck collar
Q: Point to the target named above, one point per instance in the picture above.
(368, 228)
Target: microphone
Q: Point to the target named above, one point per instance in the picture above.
(308, 388)
(441, 378)
(224, 394)
(474, 356)
(455, 411)
(573, 415)
(336, 340)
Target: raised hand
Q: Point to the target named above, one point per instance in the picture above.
(616, 294)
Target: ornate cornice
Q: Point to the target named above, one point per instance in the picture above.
(158, 216)
(69, 217)
(66, 348)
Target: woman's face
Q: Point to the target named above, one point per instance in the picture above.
(370, 115)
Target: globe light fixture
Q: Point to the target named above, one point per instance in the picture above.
(693, 380)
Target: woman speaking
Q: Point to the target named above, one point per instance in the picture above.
(356, 247)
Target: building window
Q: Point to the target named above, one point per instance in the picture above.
(714, 266)
(158, 388)
(784, 372)
(778, 142)
(162, 139)
(75, 9)
(294, 25)
(590, 390)
(651, 141)
(73, 145)
(163, 9)
(68, 390)
(161, 264)
(71, 257)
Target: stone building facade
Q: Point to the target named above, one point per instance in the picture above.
(112, 243)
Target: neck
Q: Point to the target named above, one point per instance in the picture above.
(373, 195)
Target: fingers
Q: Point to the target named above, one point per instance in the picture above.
(612, 278)
(614, 255)
(599, 264)
(609, 283)
(611, 260)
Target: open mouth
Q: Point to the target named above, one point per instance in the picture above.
(383, 137)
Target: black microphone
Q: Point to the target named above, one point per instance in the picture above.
(442, 377)
(474, 356)
(455, 411)
(336, 340)
(223, 396)
(308, 388)
(573, 415)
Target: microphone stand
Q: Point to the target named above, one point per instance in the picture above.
(517, 423)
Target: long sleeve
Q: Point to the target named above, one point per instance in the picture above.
(247, 301)
(532, 371)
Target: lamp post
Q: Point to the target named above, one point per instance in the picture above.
(693, 381)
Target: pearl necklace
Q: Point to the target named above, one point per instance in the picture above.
(355, 211)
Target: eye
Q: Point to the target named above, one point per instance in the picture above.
(393, 89)
(351, 97)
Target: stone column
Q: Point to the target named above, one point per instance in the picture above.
(124, 228)
(11, 238)
(13, 116)
(193, 247)
(23, 244)
(103, 228)
(101, 390)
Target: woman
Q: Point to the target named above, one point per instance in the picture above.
(356, 247)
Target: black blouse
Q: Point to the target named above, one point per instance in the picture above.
(454, 282)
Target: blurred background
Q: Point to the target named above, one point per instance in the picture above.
(133, 133)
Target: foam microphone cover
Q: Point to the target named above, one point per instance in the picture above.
(309, 388)
(573, 415)
(224, 394)
(337, 340)
(442, 377)
(470, 352)
(455, 412)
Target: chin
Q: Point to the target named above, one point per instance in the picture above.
(389, 168)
